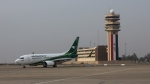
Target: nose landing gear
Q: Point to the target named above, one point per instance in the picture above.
(24, 66)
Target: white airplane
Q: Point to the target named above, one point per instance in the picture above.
(49, 59)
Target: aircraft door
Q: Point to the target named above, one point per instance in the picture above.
(29, 59)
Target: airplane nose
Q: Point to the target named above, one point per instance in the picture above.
(16, 61)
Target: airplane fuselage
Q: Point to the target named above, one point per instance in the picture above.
(35, 58)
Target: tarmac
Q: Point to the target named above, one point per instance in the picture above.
(113, 74)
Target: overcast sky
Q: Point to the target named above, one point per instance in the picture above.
(51, 26)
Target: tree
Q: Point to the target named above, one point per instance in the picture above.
(130, 57)
(142, 59)
(147, 57)
(134, 56)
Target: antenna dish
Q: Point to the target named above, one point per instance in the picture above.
(112, 11)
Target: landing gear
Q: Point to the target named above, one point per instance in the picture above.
(55, 65)
(24, 66)
(44, 65)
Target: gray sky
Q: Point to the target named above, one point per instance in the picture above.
(50, 26)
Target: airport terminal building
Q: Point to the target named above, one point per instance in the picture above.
(99, 53)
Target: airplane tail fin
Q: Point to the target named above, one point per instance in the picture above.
(74, 47)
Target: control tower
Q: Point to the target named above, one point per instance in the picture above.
(112, 26)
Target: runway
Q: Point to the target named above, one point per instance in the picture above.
(138, 74)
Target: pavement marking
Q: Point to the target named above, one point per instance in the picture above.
(81, 76)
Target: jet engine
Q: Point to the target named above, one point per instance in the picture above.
(48, 63)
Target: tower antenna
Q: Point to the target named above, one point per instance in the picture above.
(98, 37)
(90, 43)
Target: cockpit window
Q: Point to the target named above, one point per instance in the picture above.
(21, 58)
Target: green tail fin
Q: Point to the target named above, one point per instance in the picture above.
(74, 47)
